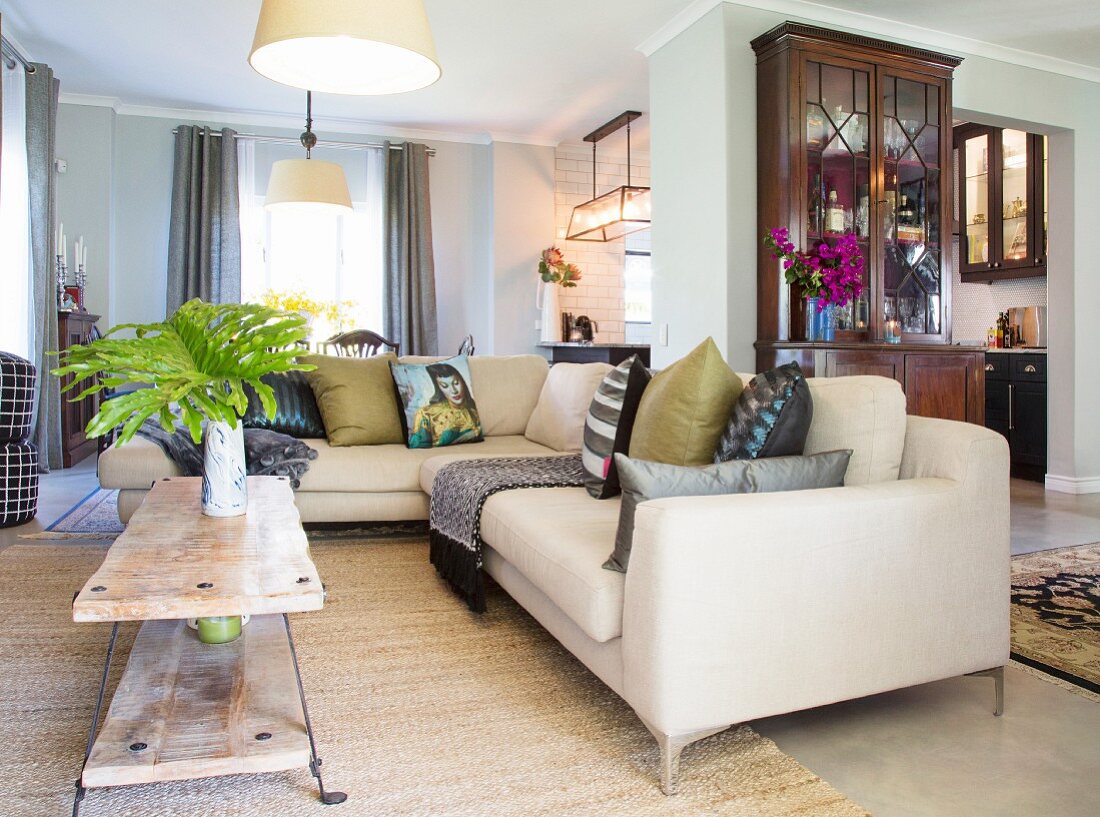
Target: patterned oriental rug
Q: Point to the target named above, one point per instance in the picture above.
(1056, 613)
(419, 708)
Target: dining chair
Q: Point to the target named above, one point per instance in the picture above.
(359, 343)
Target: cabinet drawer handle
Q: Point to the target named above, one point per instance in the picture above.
(1029, 368)
(989, 367)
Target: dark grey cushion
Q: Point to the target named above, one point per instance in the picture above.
(771, 417)
(642, 480)
(296, 412)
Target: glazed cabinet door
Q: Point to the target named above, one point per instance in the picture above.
(913, 221)
(975, 146)
(838, 138)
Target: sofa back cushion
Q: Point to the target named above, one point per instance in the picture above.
(558, 419)
(507, 390)
(865, 414)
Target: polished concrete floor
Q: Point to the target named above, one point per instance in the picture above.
(934, 750)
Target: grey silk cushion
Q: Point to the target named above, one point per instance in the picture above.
(771, 417)
(642, 480)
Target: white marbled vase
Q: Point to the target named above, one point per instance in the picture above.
(224, 483)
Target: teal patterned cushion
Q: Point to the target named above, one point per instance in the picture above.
(296, 411)
(771, 417)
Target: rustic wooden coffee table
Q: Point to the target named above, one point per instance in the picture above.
(184, 709)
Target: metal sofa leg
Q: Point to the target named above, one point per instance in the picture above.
(998, 676)
(671, 746)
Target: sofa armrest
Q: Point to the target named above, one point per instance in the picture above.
(744, 606)
(135, 465)
(944, 448)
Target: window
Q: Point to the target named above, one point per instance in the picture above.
(638, 287)
(15, 239)
(323, 257)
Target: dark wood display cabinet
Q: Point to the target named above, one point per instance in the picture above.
(854, 136)
(75, 329)
(1002, 213)
(1016, 406)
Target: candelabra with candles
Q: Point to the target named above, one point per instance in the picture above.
(81, 278)
(62, 271)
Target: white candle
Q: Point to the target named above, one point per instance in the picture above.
(84, 259)
(64, 251)
(60, 243)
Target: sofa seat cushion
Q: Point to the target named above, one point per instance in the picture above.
(137, 464)
(558, 538)
(522, 448)
(388, 468)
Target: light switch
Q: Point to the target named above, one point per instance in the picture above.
(662, 335)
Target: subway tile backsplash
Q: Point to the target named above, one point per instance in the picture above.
(974, 307)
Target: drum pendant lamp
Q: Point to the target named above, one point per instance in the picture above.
(363, 47)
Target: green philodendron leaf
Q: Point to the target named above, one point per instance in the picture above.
(199, 359)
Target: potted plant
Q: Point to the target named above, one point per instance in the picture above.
(196, 362)
(827, 277)
(554, 271)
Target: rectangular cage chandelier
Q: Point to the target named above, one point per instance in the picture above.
(619, 212)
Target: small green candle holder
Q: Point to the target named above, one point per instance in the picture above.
(219, 629)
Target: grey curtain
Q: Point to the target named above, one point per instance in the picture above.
(409, 287)
(42, 89)
(204, 242)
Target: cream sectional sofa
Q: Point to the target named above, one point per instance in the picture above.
(735, 607)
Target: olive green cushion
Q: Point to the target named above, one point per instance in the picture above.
(685, 409)
(356, 398)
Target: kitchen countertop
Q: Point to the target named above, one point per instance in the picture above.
(593, 344)
(1017, 350)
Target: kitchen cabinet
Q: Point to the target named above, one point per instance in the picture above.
(1001, 210)
(1016, 406)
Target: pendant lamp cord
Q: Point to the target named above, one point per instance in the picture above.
(593, 170)
(628, 153)
(307, 139)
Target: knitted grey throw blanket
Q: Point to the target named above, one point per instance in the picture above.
(266, 453)
(460, 491)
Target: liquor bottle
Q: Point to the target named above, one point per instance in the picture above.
(1000, 331)
(834, 215)
(815, 207)
(991, 338)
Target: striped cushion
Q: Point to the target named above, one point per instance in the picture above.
(608, 426)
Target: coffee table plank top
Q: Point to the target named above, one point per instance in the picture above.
(198, 708)
(173, 562)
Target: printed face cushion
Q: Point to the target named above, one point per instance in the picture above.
(643, 481)
(684, 409)
(609, 424)
(771, 418)
(438, 403)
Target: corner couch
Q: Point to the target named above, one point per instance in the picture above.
(734, 607)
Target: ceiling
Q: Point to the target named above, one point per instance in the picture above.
(1064, 29)
(531, 70)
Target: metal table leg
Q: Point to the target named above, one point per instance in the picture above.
(329, 798)
(80, 790)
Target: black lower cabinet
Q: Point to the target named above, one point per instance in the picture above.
(1016, 406)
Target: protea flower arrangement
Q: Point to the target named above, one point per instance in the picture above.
(553, 269)
(831, 273)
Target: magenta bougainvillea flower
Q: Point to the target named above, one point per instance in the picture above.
(831, 272)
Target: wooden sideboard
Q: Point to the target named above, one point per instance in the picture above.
(938, 380)
(75, 329)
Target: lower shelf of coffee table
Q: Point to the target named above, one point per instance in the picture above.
(198, 708)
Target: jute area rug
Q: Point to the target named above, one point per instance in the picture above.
(419, 708)
(1056, 614)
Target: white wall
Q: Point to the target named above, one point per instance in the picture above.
(523, 225)
(703, 102)
(117, 193)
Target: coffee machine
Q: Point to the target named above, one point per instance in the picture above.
(579, 328)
